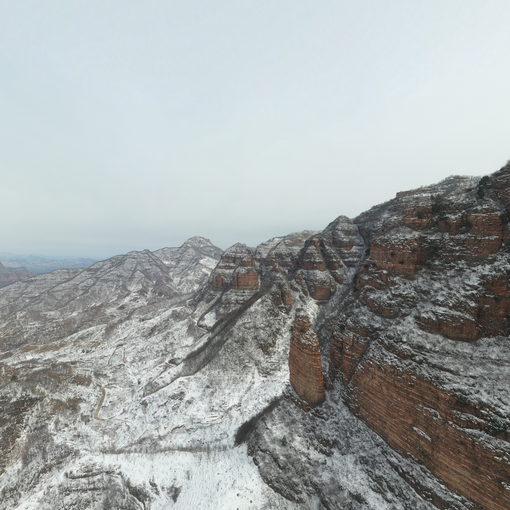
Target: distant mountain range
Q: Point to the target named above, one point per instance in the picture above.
(39, 264)
(192, 263)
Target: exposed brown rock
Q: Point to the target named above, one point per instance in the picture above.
(336, 347)
(305, 364)
(218, 282)
(343, 236)
(237, 255)
(245, 280)
(312, 258)
(236, 270)
(440, 255)
(320, 292)
(347, 348)
(493, 315)
(451, 326)
(421, 419)
(402, 256)
(324, 262)
(282, 296)
(418, 218)
(379, 304)
(500, 183)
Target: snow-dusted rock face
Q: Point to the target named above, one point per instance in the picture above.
(425, 334)
(364, 366)
(190, 264)
(237, 269)
(417, 347)
(51, 307)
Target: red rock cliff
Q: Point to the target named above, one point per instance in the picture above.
(305, 365)
(421, 347)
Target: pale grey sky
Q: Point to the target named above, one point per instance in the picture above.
(128, 125)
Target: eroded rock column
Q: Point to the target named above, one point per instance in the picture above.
(305, 365)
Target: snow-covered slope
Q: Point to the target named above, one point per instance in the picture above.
(191, 263)
(113, 395)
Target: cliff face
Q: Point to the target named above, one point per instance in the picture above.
(417, 345)
(305, 365)
(364, 366)
(436, 277)
(236, 269)
(405, 311)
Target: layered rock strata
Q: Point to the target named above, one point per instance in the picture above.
(438, 262)
(305, 366)
(413, 334)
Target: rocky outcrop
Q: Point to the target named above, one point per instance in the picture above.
(237, 269)
(327, 261)
(281, 254)
(349, 349)
(438, 262)
(401, 253)
(245, 280)
(305, 365)
(414, 310)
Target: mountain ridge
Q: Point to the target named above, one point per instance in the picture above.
(362, 366)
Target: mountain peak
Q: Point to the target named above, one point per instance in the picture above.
(239, 248)
(198, 242)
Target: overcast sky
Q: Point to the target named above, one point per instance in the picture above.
(135, 124)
